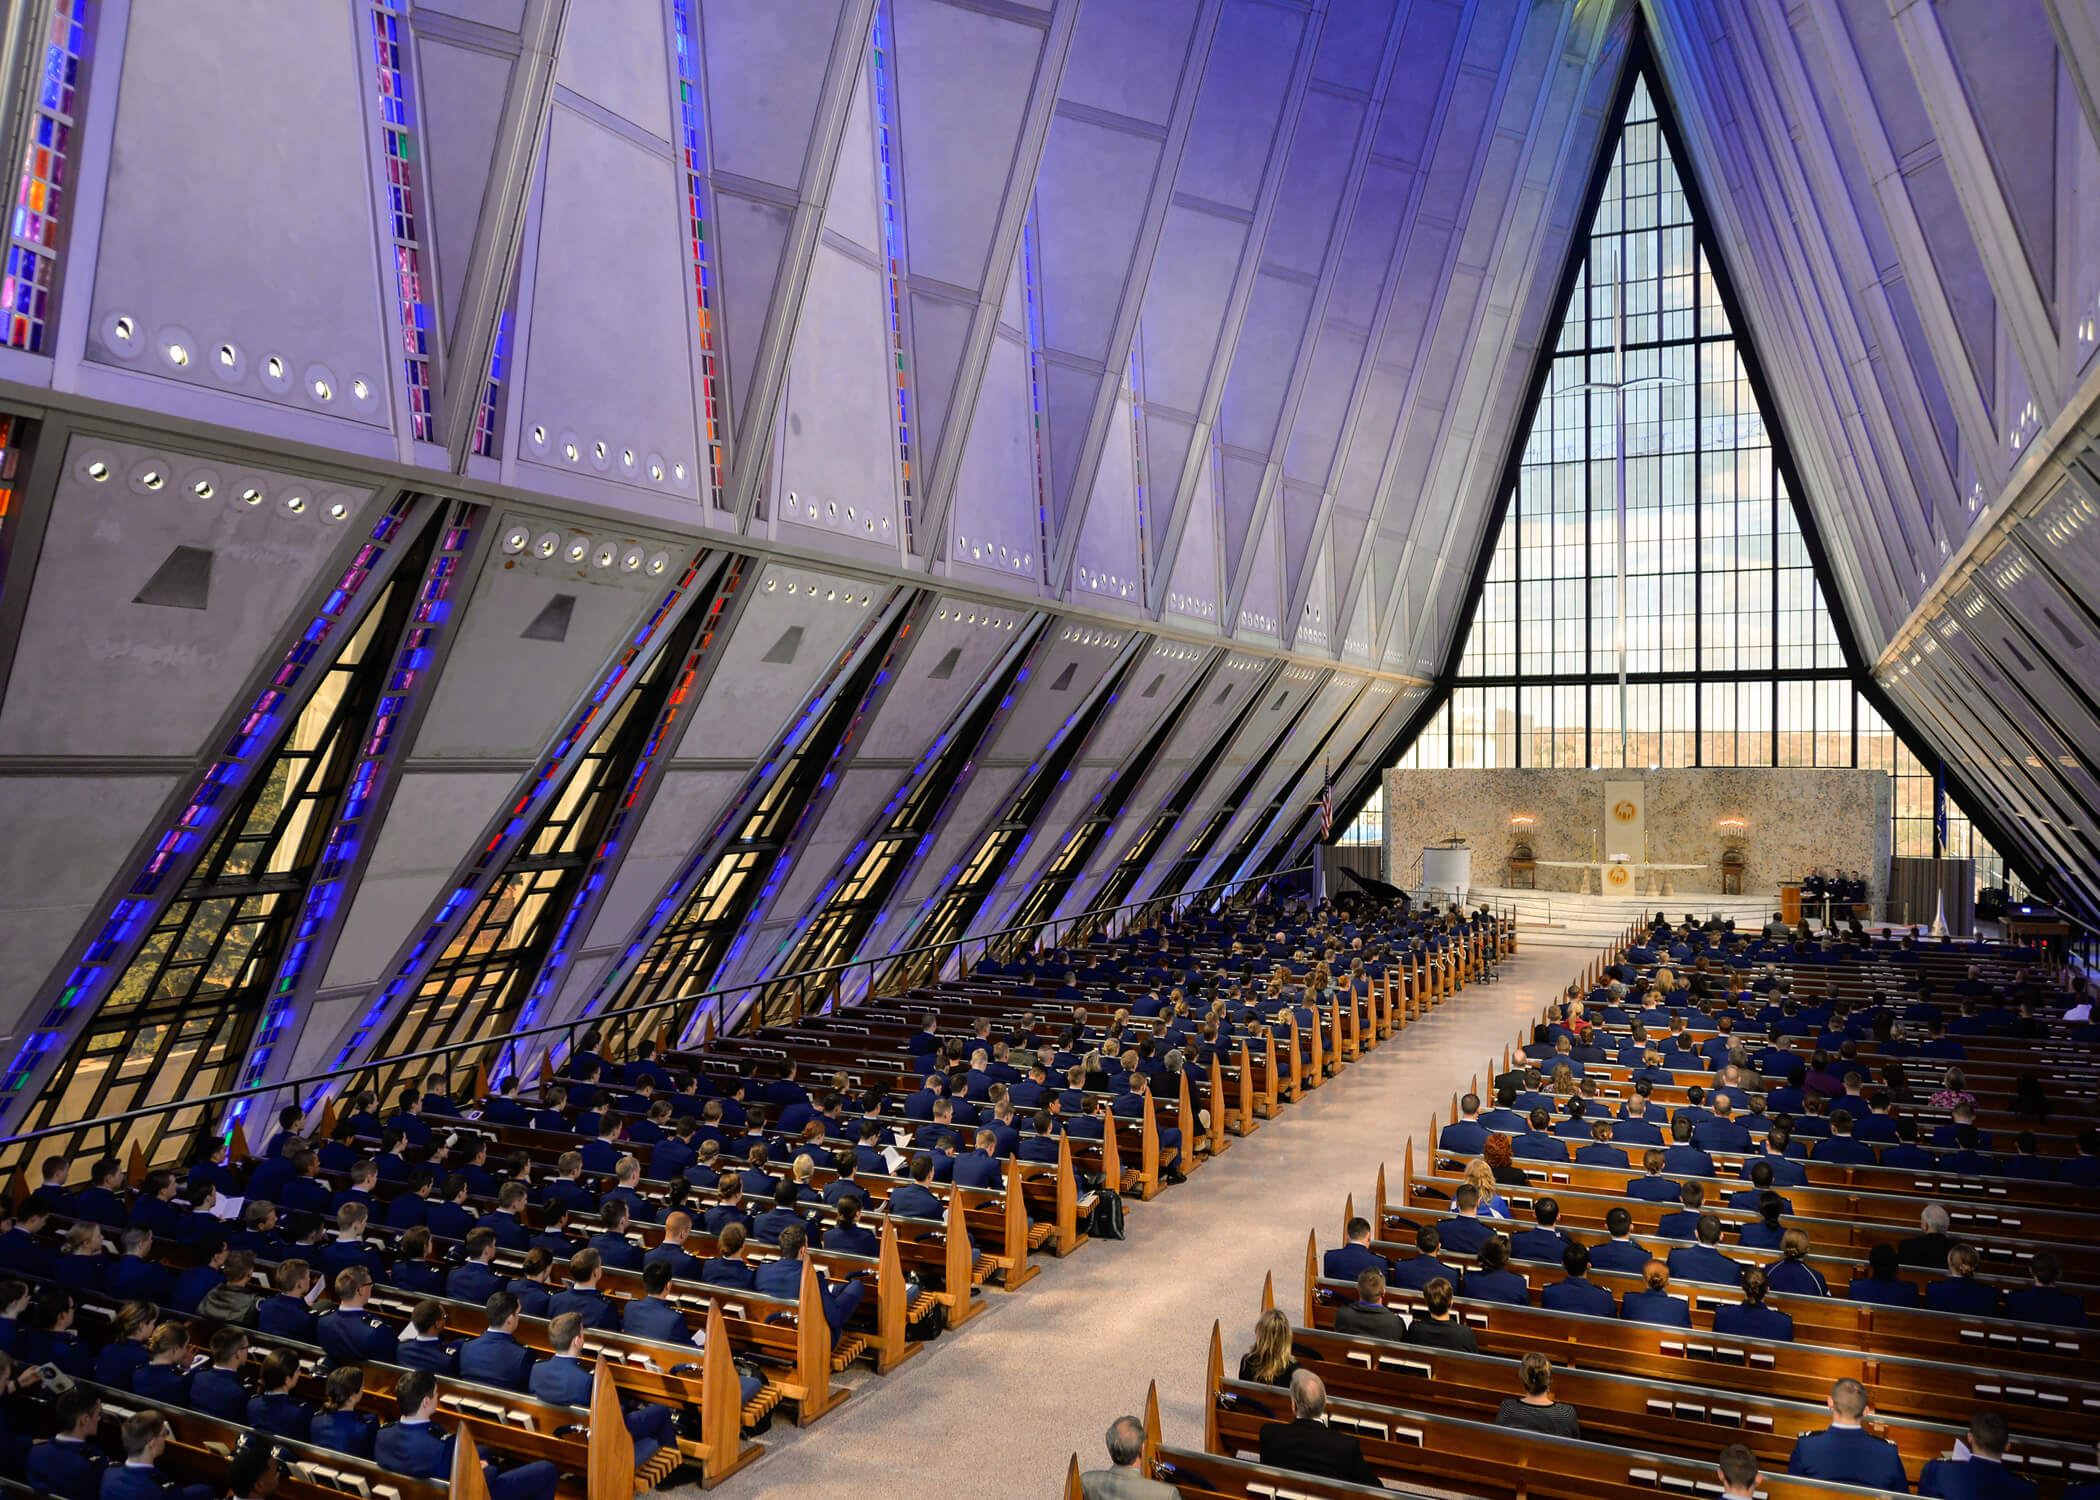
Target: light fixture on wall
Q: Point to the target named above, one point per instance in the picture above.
(1734, 825)
(1522, 820)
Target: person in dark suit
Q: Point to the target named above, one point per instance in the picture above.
(1884, 1284)
(1348, 1260)
(349, 1335)
(1545, 1241)
(340, 1425)
(1704, 1261)
(915, 1200)
(1931, 1247)
(1423, 1267)
(1307, 1445)
(494, 1356)
(144, 1436)
(1620, 1252)
(70, 1465)
(614, 1248)
(2043, 1302)
(413, 1447)
(582, 1295)
(1368, 1314)
(1436, 1326)
(1981, 1476)
(1845, 1451)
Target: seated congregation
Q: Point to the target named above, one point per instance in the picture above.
(612, 1280)
(1743, 1214)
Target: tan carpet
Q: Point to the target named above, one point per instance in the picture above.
(996, 1408)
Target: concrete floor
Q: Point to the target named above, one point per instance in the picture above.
(998, 1407)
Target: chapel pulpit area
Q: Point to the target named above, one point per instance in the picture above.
(1661, 835)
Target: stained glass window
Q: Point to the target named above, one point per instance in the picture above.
(36, 227)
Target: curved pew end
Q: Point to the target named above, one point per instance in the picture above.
(468, 1482)
(1151, 1425)
(1268, 1290)
(1073, 1489)
(1213, 1379)
(1312, 1274)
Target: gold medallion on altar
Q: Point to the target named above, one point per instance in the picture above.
(1616, 874)
(1625, 812)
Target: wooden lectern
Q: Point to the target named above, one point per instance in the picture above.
(1790, 902)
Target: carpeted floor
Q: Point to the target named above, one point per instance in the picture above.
(997, 1408)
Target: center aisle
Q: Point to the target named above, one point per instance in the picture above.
(1000, 1406)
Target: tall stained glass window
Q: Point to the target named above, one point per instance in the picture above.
(1650, 600)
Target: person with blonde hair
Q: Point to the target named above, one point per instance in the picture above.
(1481, 1178)
(1269, 1361)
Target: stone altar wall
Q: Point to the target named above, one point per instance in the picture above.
(1798, 818)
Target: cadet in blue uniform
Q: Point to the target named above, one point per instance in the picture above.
(494, 1356)
(1983, 1475)
(145, 1435)
(1846, 1452)
(349, 1335)
(70, 1466)
(413, 1447)
(340, 1425)
(1750, 1318)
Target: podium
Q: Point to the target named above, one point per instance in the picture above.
(1790, 902)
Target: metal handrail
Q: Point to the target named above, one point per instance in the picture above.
(342, 1080)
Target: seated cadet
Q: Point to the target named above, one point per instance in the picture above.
(614, 1248)
(1354, 1255)
(1983, 1475)
(446, 1213)
(1961, 1292)
(563, 1379)
(70, 1465)
(1544, 1241)
(1767, 1233)
(289, 1314)
(915, 1200)
(1884, 1284)
(1840, 1147)
(728, 1210)
(980, 1168)
(1600, 1152)
(532, 1285)
(848, 1235)
(217, 1388)
(1683, 1223)
(1464, 1136)
(494, 1356)
(144, 1436)
(1619, 1252)
(339, 1425)
(1845, 1451)
(1722, 1132)
(648, 1316)
(672, 1249)
(1653, 1303)
(2043, 1302)
(273, 1409)
(785, 1211)
(727, 1267)
(1750, 1318)
(1704, 1261)
(1681, 1158)
(1436, 1326)
(507, 1218)
(783, 1278)
(1575, 1292)
(1464, 1231)
(165, 1374)
(423, 1345)
(1368, 1316)
(586, 1270)
(1538, 1142)
(1791, 1274)
(1491, 1280)
(1762, 1180)
(129, 1334)
(1418, 1270)
(136, 1275)
(1652, 1186)
(475, 1279)
(413, 1447)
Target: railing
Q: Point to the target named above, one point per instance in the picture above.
(689, 1019)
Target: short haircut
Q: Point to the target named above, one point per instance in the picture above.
(1546, 1211)
(1738, 1467)
(1357, 1228)
(413, 1389)
(1848, 1398)
(1575, 1260)
(142, 1428)
(1308, 1394)
(1987, 1433)
(1126, 1441)
(1437, 1295)
(656, 1276)
(1370, 1284)
(562, 1332)
(501, 1307)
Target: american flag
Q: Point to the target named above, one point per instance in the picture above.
(1327, 802)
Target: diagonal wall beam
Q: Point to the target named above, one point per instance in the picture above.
(991, 286)
(1221, 357)
(1315, 319)
(499, 229)
(776, 338)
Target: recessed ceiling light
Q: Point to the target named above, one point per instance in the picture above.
(251, 496)
(359, 389)
(151, 479)
(295, 503)
(178, 355)
(323, 391)
(98, 471)
(228, 355)
(202, 489)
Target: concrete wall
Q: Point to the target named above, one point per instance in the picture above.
(1798, 818)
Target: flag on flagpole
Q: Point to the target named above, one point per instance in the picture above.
(1327, 802)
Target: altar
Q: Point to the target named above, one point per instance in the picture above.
(1619, 877)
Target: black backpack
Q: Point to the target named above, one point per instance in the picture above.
(1106, 1220)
